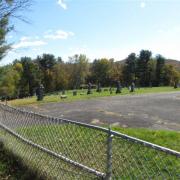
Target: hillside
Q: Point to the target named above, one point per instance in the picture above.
(173, 62)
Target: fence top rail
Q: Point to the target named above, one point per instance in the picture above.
(106, 130)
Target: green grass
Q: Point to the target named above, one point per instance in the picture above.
(88, 146)
(55, 97)
(169, 139)
(12, 168)
(38, 161)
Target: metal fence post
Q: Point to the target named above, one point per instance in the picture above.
(109, 156)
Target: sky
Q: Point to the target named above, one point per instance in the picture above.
(97, 28)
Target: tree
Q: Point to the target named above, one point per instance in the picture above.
(116, 72)
(9, 81)
(80, 69)
(101, 71)
(151, 67)
(176, 78)
(31, 76)
(171, 75)
(4, 29)
(142, 67)
(130, 68)
(60, 77)
(12, 8)
(9, 9)
(46, 63)
(59, 60)
(159, 69)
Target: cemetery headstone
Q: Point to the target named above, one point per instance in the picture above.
(74, 93)
(118, 86)
(132, 87)
(99, 88)
(110, 90)
(89, 88)
(175, 85)
(63, 92)
(40, 92)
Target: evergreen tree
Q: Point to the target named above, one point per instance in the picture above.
(46, 63)
(31, 77)
(4, 29)
(159, 69)
(130, 68)
(9, 9)
(142, 67)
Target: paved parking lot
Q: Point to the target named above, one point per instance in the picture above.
(155, 111)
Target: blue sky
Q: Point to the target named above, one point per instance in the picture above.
(97, 28)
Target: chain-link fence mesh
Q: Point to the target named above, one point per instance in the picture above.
(64, 149)
(132, 160)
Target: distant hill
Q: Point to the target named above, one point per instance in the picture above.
(173, 62)
(121, 61)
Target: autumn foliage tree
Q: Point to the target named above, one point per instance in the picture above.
(22, 77)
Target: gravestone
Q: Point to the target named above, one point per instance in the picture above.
(89, 88)
(74, 93)
(118, 86)
(110, 90)
(132, 87)
(175, 85)
(40, 92)
(63, 92)
(99, 88)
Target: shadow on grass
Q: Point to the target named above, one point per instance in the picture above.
(12, 167)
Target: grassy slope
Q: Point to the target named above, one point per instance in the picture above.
(56, 97)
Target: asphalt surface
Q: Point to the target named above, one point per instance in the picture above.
(155, 111)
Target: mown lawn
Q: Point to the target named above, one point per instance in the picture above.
(169, 139)
(89, 147)
(55, 97)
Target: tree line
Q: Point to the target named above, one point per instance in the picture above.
(23, 76)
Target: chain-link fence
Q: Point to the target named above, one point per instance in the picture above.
(64, 149)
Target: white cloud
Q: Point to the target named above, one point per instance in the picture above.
(26, 42)
(143, 5)
(58, 35)
(62, 4)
